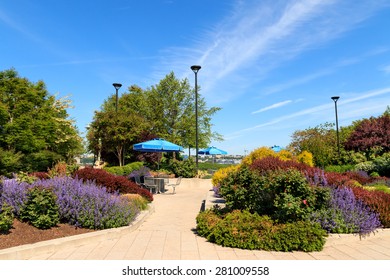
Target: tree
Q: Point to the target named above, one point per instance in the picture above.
(115, 131)
(320, 141)
(172, 112)
(34, 123)
(371, 136)
(165, 110)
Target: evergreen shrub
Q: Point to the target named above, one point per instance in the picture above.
(6, 218)
(124, 170)
(184, 168)
(242, 229)
(40, 209)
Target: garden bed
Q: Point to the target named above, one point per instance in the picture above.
(23, 233)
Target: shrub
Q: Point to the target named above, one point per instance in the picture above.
(294, 198)
(113, 183)
(222, 173)
(139, 201)
(242, 229)
(367, 166)
(124, 170)
(40, 208)
(6, 218)
(346, 214)
(378, 201)
(273, 163)
(259, 153)
(185, 168)
(382, 165)
(41, 161)
(84, 204)
(339, 168)
(40, 175)
(306, 158)
(10, 161)
(244, 189)
(14, 194)
(59, 169)
(140, 172)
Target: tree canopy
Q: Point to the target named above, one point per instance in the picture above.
(363, 140)
(35, 128)
(165, 110)
(371, 135)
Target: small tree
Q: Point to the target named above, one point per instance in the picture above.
(371, 136)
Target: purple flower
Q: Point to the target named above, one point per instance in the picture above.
(80, 203)
(346, 214)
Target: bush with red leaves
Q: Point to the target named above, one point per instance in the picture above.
(113, 183)
(378, 201)
(40, 175)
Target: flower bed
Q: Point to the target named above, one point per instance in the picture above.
(287, 193)
(79, 203)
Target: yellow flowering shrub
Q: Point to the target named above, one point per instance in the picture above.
(223, 173)
(284, 155)
(259, 153)
(306, 157)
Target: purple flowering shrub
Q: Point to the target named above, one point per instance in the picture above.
(83, 204)
(14, 193)
(378, 201)
(346, 214)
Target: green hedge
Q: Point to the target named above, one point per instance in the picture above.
(124, 170)
(242, 229)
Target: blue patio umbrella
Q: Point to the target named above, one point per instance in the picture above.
(157, 145)
(212, 151)
(276, 148)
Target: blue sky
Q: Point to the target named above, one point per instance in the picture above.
(271, 65)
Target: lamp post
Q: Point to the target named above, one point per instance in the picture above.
(335, 98)
(195, 69)
(117, 87)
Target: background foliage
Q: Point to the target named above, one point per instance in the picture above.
(35, 129)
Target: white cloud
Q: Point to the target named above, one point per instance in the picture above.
(386, 69)
(319, 109)
(273, 106)
(252, 41)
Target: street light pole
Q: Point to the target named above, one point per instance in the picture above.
(335, 98)
(117, 87)
(195, 69)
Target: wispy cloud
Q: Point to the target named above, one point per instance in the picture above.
(317, 110)
(386, 69)
(260, 35)
(326, 71)
(273, 106)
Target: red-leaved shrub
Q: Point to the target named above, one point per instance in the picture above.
(113, 183)
(378, 201)
(273, 163)
(40, 175)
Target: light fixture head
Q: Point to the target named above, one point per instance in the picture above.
(117, 86)
(195, 68)
(335, 98)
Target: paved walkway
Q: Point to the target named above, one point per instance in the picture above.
(166, 233)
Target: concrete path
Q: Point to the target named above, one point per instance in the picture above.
(167, 233)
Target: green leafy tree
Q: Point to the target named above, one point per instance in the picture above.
(33, 122)
(320, 141)
(115, 131)
(171, 109)
(165, 110)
